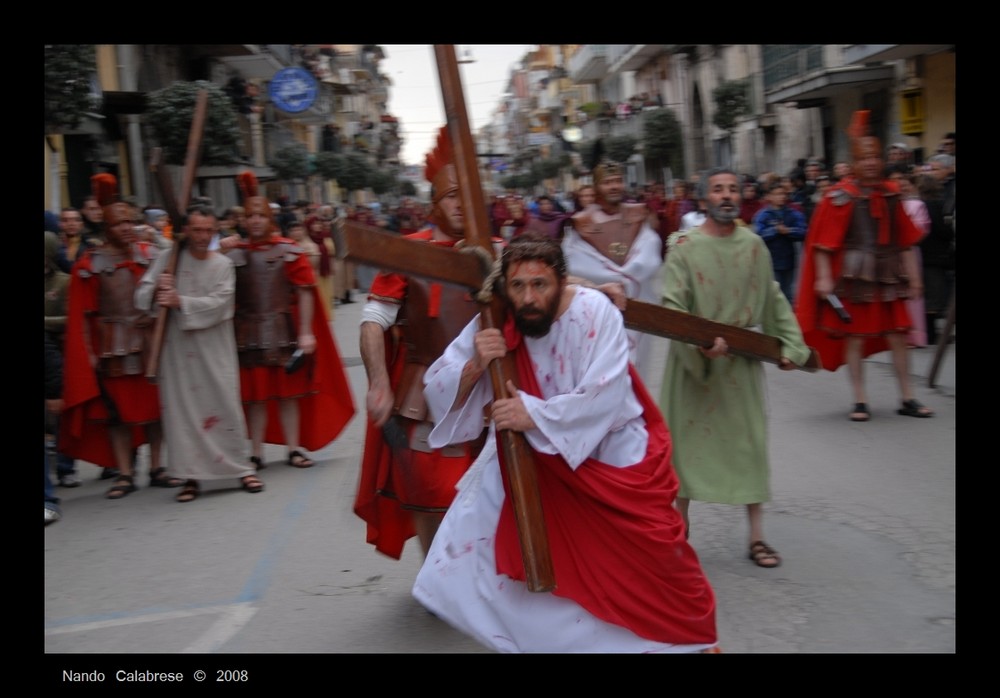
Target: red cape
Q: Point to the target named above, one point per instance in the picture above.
(827, 230)
(389, 526)
(618, 545)
(79, 438)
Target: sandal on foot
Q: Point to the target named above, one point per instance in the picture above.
(258, 464)
(159, 478)
(913, 408)
(189, 493)
(860, 412)
(764, 555)
(251, 483)
(297, 459)
(124, 485)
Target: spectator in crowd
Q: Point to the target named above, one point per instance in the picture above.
(498, 214)
(673, 212)
(690, 201)
(948, 144)
(799, 193)
(71, 238)
(751, 202)
(693, 218)
(656, 203)
(296, 231)
(157, 220)
(317, 232)
(840, 171)
(901, 175)
(937, 252)
(93, 218)
(56, 293)
(781, 227)
(344, 272)
(51, 222)
(517, 217)
(548, 221)
(898, 154)
(583, 197)
(53, 406)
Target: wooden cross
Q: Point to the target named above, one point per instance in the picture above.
(175, 209)
(377, 247)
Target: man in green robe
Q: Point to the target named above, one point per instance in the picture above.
(714, 401)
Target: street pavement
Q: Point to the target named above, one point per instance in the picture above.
(862, 513)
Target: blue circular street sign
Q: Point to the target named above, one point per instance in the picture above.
(293, 89)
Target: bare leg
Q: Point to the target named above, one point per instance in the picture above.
(755, 516)
(901, 362)
(290, 423)
(761, 553)
(289, 410)
(121, 446)
(426, 524)
(257, 422)
(853, 355)
(154, 434)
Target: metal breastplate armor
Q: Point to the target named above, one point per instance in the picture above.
(426, 338)
(265, 332)
(122, 330)
(613, 235)
(871, 272)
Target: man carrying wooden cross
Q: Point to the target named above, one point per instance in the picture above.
(626, 578)
(525, 599)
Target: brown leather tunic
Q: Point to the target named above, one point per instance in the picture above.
(265, 331)
(123, 332)
(870, 271)
(432, 315)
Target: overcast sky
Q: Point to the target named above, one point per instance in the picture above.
(415, 93)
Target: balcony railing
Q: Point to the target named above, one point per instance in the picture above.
(633, 126)
(589, 63)
(783, 62)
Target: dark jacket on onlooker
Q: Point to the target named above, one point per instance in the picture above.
(782, 246)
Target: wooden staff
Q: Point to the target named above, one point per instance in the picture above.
(518, 457)
(175, 209)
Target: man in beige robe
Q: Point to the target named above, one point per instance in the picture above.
(199, 381)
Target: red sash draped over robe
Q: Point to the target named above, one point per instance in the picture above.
(618, 544)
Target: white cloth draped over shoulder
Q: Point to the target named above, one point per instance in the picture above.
(640, 274)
